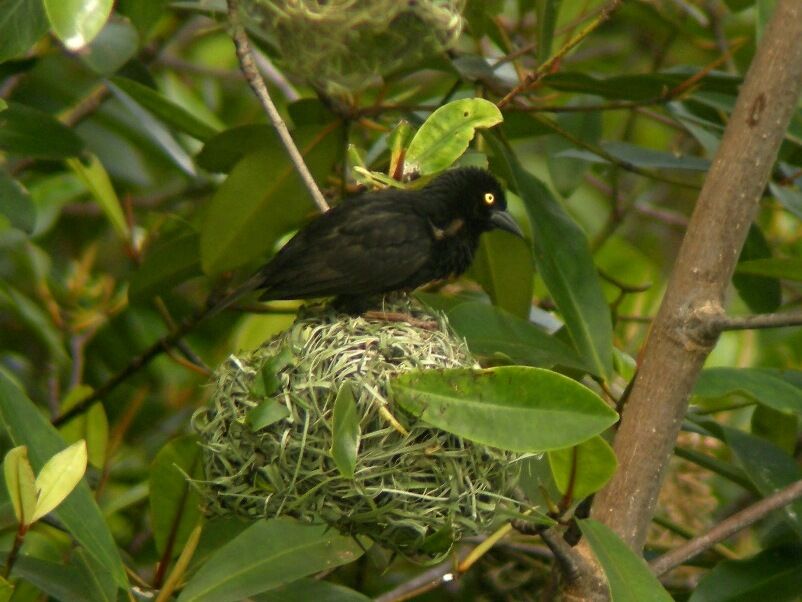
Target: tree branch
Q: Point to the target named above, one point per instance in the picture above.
(729, 526)
(254, 79)
(777, 320)
(680, 337)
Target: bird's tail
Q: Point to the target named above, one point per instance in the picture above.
(215, 306)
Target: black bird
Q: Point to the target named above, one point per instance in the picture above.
(388, 240)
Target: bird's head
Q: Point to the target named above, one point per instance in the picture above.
(476, 196)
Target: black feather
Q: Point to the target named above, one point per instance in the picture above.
(387, 240)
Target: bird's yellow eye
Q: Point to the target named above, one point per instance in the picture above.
(490, 198)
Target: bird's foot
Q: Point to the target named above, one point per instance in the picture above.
(397, 316)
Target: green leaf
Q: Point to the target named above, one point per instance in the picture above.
(563, 259)
(22, 23)
(641, 157)
(775, 426)
(6, 590)
(72, 582)
(786, 268)
(171, 260)
(267, 555)
(567, 173)
(546, 11)
(762, 386)
(20, 483)
(445, 134)
(491, 331)
(113, 47)
(165, 109)
(515, 408)
(249, 212)
(769, 469)
(761, 294)
(770, 575)
(345, 432)
(588, 465)
(58, 477)
(628, 576)
(77, 22)
(504, 267)
(78, 513)
(97, 181)
(266, 413)
(16, 203)
(304, 590)
(144, 14)
(27, 131)
(397, 141)
(92, 426)
(35, 319)
(174, 505)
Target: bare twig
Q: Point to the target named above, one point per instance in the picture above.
(254, 79)
(426, 581)
(545, 67)
(729, 526)
(777, 320)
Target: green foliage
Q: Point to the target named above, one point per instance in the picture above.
(139, 179)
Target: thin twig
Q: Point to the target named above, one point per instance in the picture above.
(545, 67)
(426, 581)
(257, 84)
(777, 320)
(729, 526)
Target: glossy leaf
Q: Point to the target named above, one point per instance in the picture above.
(58, 477)
(249, 212)
(78, 513)
(762, 386)
(16, 204)
(345, 432)
(491, 331)
(641, 157)
(20, 483)
(77, 22)
(516, 408)
(563, 259)
(585, 468)
(92, 426)
(22, 23)
(445, 134)
(628, 576)
(174, 504)
(769, 469)
(304, 590)
(787, 268)
(114, 46)
(770, 575)
(266, 413)
(761, 294)
(503, 265)
(267, 555)
(165, 109)
(97, 181)
(567, 173)
(28, 131)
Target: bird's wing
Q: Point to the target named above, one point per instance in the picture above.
(367, 248)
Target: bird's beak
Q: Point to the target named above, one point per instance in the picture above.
(504, 221)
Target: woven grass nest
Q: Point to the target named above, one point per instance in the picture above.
(414, 493)
(340, 46)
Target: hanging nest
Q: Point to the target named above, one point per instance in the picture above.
(341, 46)
(415, 489)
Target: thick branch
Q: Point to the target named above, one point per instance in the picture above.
(251, 73)
(729, 526)
(680, 338)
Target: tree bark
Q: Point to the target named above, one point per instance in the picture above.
(683, 333)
